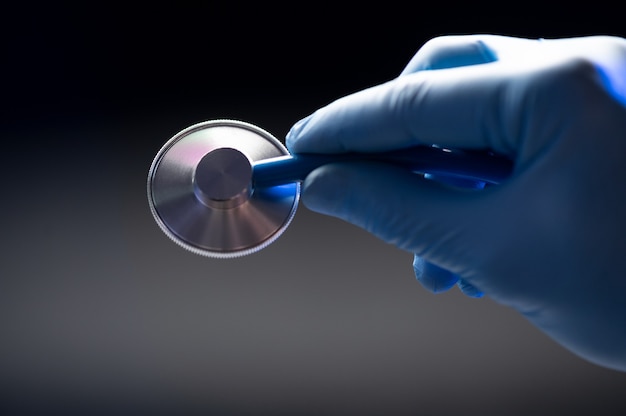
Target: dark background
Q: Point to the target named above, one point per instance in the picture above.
(100, 313)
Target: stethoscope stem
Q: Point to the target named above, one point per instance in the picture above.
(472, 165)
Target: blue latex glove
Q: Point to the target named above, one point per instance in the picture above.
(550, 241)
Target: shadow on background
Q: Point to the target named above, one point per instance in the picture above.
(101, 314)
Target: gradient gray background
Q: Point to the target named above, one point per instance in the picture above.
(100, 313)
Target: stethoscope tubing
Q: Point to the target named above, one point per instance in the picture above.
(472, 165)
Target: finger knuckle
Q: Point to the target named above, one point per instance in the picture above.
(453, 50)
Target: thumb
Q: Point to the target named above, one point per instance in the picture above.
(432, 220)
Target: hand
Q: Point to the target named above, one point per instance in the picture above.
(550, 241)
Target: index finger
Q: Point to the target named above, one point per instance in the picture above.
(457, 107)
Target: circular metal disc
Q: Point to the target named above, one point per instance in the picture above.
(203, 214)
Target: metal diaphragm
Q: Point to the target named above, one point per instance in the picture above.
(200, 190)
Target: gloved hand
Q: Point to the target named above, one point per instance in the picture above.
(551, 240)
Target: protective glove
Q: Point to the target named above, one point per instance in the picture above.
(551, 240)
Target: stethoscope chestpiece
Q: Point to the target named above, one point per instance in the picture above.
(200, 190)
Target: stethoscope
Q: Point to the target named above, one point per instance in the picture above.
(227, 188)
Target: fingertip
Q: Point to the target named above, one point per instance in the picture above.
(322, 190)
(433, 277)
(469, 290)
(294, 134)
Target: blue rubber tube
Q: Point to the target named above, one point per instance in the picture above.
(461, 166)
